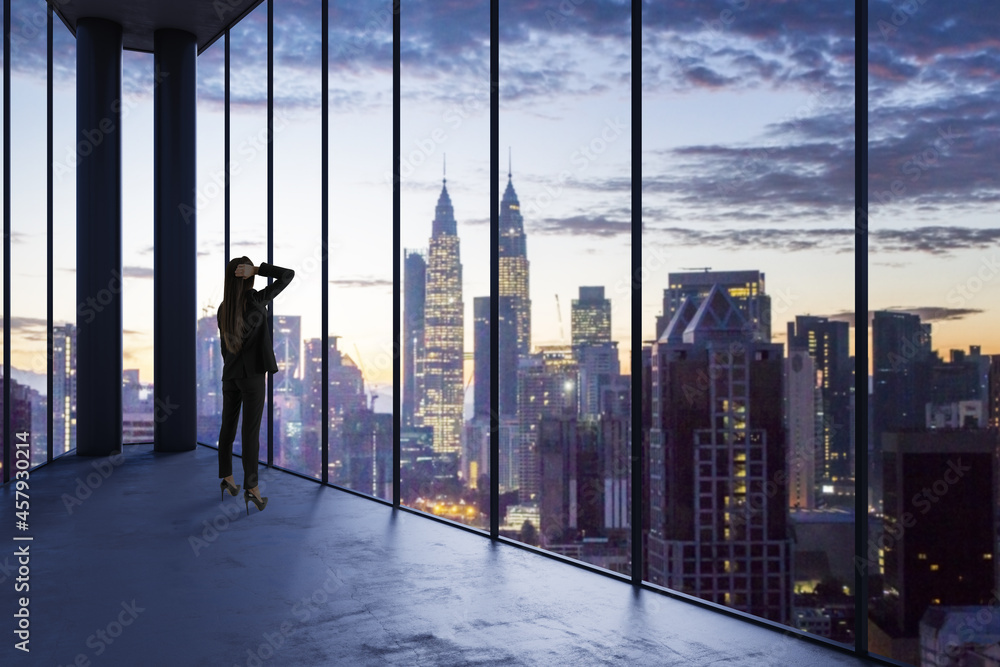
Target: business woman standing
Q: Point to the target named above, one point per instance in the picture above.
(248, 356)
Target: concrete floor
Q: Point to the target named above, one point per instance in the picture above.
(135, 574)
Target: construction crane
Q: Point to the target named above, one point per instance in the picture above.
(706, 269)
(562, 331)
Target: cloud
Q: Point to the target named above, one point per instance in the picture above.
(26, 324)
(933, 81)
(785, 239)
(137, 272)
(362, 282)
(934, 240)
(581, 225)
(782, 178)
(926, 314)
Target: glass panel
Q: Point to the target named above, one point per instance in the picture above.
(565, 224)
(297, 232)
(248, 161)
(446, 260)
(137, 247)
(211, 219)
(3, 342)
(748, 167)
(935, 372)
(28, 243)
(360, 348)
(64, 242)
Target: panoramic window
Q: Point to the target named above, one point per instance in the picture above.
(748, 287)
(934, 371)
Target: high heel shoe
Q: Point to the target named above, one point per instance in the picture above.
(247, 497)
(226, 486)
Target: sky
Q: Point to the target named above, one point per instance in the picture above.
(747, 160)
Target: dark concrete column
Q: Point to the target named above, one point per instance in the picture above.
(175, 425)
(98, 237)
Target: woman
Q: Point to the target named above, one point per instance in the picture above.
(249, 354)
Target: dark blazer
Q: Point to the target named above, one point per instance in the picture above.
(257, 354)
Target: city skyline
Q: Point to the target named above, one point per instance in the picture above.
(703, 80)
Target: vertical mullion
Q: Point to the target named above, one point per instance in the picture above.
(638, 464)
(861, 306)
(396, 241)
(6, 239)
(226, 116)
(270, 215)
(48, 233)
(494, 269)
(324, 218)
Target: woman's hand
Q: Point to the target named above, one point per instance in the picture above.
(245, 270)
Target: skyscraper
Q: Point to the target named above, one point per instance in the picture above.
(444, 390)
(591, 317)
(803, 407)
(901, 369)
(346, 395)
(827, 342)
(287, 352)
(514, 327)
(64, 388)
(414, 291)
(507, 336)
(901, 351)
(547, 387)
(718, 501)
(514, 266)
(940, 519)
(745, 287)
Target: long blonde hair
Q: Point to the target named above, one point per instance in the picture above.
(232, 323)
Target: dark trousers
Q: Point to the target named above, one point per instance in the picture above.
(250, 392)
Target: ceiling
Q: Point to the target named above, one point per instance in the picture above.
(206, 19)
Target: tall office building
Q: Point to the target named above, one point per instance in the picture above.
(64, 388)
(510, 455)
(591, 318)
(287, 352)
(514, 327)
(514, 267)
(599, 368)
(506, 335)
(444, 390)
(901, 352)
(718, 504)
(745, 287)
(940, 519)
(994, 391)
(546, 387)
(208, 376)
(803, 424)
(346, 396)
(959, 395)
(414, 291)
(901, 367)
(584, 480)
(366, 464)
(25, 403)
(312, 394)
(828, 342)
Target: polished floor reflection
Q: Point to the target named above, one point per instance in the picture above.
(141, 563)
